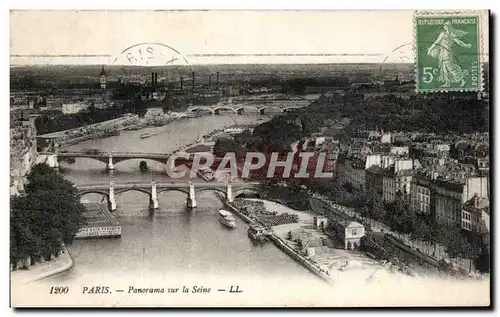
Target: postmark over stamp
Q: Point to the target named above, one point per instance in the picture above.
(448, 52)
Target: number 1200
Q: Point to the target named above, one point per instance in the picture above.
(59, 290)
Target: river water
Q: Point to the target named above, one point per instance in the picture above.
(176, 248)
(174, 242)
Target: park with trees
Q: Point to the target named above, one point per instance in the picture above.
(44, 219)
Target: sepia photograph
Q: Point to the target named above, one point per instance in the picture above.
(249, 158)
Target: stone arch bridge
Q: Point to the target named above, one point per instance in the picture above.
(260, 108)
(111, 158)
(152, 189)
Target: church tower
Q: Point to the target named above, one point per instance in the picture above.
(102, 78)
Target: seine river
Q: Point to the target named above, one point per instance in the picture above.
(173, 243)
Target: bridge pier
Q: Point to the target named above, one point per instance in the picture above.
(191, 200)
(153, 201)
(111, 199)
(229, 193)
(110, 165)
(52, 160)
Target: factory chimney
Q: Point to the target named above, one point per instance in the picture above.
(217, 80)
(193, 83)
(209, 80)
(153, 81)
(182, 83)
(156, 79)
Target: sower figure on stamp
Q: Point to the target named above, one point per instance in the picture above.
(449, 71)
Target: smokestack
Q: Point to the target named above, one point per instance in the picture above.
(153, 80)
(209, 80)
(192, 75)
(156, 79)
(217, 80)
(182, 83)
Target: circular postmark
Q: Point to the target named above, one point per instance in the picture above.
(399, 59)
(150, 54)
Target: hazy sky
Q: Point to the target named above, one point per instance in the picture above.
(214, 37)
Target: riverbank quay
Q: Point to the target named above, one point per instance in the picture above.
(319, 250)
(42, 270)
(280, 244)
(317, 253)
(209, 139)
(403, 242)
(97, 130)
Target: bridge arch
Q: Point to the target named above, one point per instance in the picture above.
(201, 108)
(241, 109)
(93, 191)
(290, 108)
(245, 190)
(216, 110)
(124, 190)
(220, 190)
(262, 110)
(182, 190)
(117, 160)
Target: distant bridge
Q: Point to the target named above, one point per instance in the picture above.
(152, 189)
(260, 107)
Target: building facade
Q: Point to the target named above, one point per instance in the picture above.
(476, 219)
(350, 233)
(23, 152)
(72, 108)
(420, 201)
(451, 195)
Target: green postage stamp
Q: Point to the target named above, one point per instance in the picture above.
(448, 52)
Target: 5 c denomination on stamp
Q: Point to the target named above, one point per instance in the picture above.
(448, 52)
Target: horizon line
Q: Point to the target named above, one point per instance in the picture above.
(208, 64)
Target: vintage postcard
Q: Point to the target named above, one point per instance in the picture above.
(249, 159)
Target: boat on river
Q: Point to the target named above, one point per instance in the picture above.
(148, 134)
(227, 218)
(257, 232)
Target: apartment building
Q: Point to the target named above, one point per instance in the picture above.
(450, 195)
(476, 219)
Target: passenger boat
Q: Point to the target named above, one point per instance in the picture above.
(257, 232)
(227, 218)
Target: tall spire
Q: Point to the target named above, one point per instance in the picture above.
(103, 73)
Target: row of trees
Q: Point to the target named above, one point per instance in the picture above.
(47, 215)
(438, 114)
(391, 113)
(399, 218)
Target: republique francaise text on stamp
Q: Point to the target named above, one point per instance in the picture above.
(448, 52)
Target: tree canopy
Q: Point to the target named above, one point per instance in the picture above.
(50, 213)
